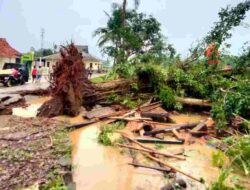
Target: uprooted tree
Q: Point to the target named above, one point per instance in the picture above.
(69, 85)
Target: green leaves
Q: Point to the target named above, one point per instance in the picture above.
(166, 95)
(229, 18)
(139, 34)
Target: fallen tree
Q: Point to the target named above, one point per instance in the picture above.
(69, 85)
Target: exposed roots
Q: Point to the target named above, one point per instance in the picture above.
(69, 85)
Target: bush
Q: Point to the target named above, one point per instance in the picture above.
(152, 75)
(239, 152)
(166, 95)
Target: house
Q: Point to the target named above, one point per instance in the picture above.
(89, 60)
(8, 54)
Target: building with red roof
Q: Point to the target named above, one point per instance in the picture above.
(7, 53)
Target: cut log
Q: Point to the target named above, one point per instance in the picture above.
(144, 140)
(167, 170)
(170, 128)
(193, 101)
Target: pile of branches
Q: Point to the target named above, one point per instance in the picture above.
(69, 85)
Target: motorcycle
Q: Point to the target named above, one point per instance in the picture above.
(14, 79)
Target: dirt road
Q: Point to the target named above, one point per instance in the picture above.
(31, 86)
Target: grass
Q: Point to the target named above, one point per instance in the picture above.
(99, 79)
(107, 131)
(218, 159)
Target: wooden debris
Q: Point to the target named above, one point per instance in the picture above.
(83, 124)
(149, 107)
(177, 134)
(150, 140)
(193, 101)
(152, 152)
(148, 148)
(160, 117)
(172, 167)
(170, 128)
(201, 126)
(167, 170)
(99, 112)
(130, 118)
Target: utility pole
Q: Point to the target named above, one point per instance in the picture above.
(42, 38)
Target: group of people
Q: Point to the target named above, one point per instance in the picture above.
(36, 74)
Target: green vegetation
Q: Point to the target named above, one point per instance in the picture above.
(239, 153)
(218, 159)
(98, 79)
(104, 137)
(166, 95)
(131, 34)
(220, 183)
(157, 69)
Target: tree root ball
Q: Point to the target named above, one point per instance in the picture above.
(69, 85)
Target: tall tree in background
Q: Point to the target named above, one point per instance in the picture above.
(124, 9)
(230, 17)
(140, 35)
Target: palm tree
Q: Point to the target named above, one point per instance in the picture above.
(124, 6)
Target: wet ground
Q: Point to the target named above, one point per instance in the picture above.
(29, 86)
(98, 167)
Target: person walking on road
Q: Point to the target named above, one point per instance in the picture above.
(39, 74)
(34, 74)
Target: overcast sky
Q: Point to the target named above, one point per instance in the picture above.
(183, 21)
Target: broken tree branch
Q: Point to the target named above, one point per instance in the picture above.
(144, 140)
(148, 148)
(151, 167)
(152, 152)
(172, 167)
(170, 128)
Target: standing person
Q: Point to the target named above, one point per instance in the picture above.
(39, 74)
(90, 72)
(34, 74)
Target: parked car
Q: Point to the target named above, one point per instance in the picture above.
(14, 74)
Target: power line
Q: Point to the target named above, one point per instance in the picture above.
(42, 37)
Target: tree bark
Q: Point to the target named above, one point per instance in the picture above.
(193, 101)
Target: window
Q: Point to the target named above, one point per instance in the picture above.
(91, 65)
(48, 64)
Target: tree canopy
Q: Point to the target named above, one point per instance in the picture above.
(141, 34)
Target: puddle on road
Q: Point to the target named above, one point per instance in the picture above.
(31, 110)
(98, 167)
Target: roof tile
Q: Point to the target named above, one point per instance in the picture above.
(6, 50)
